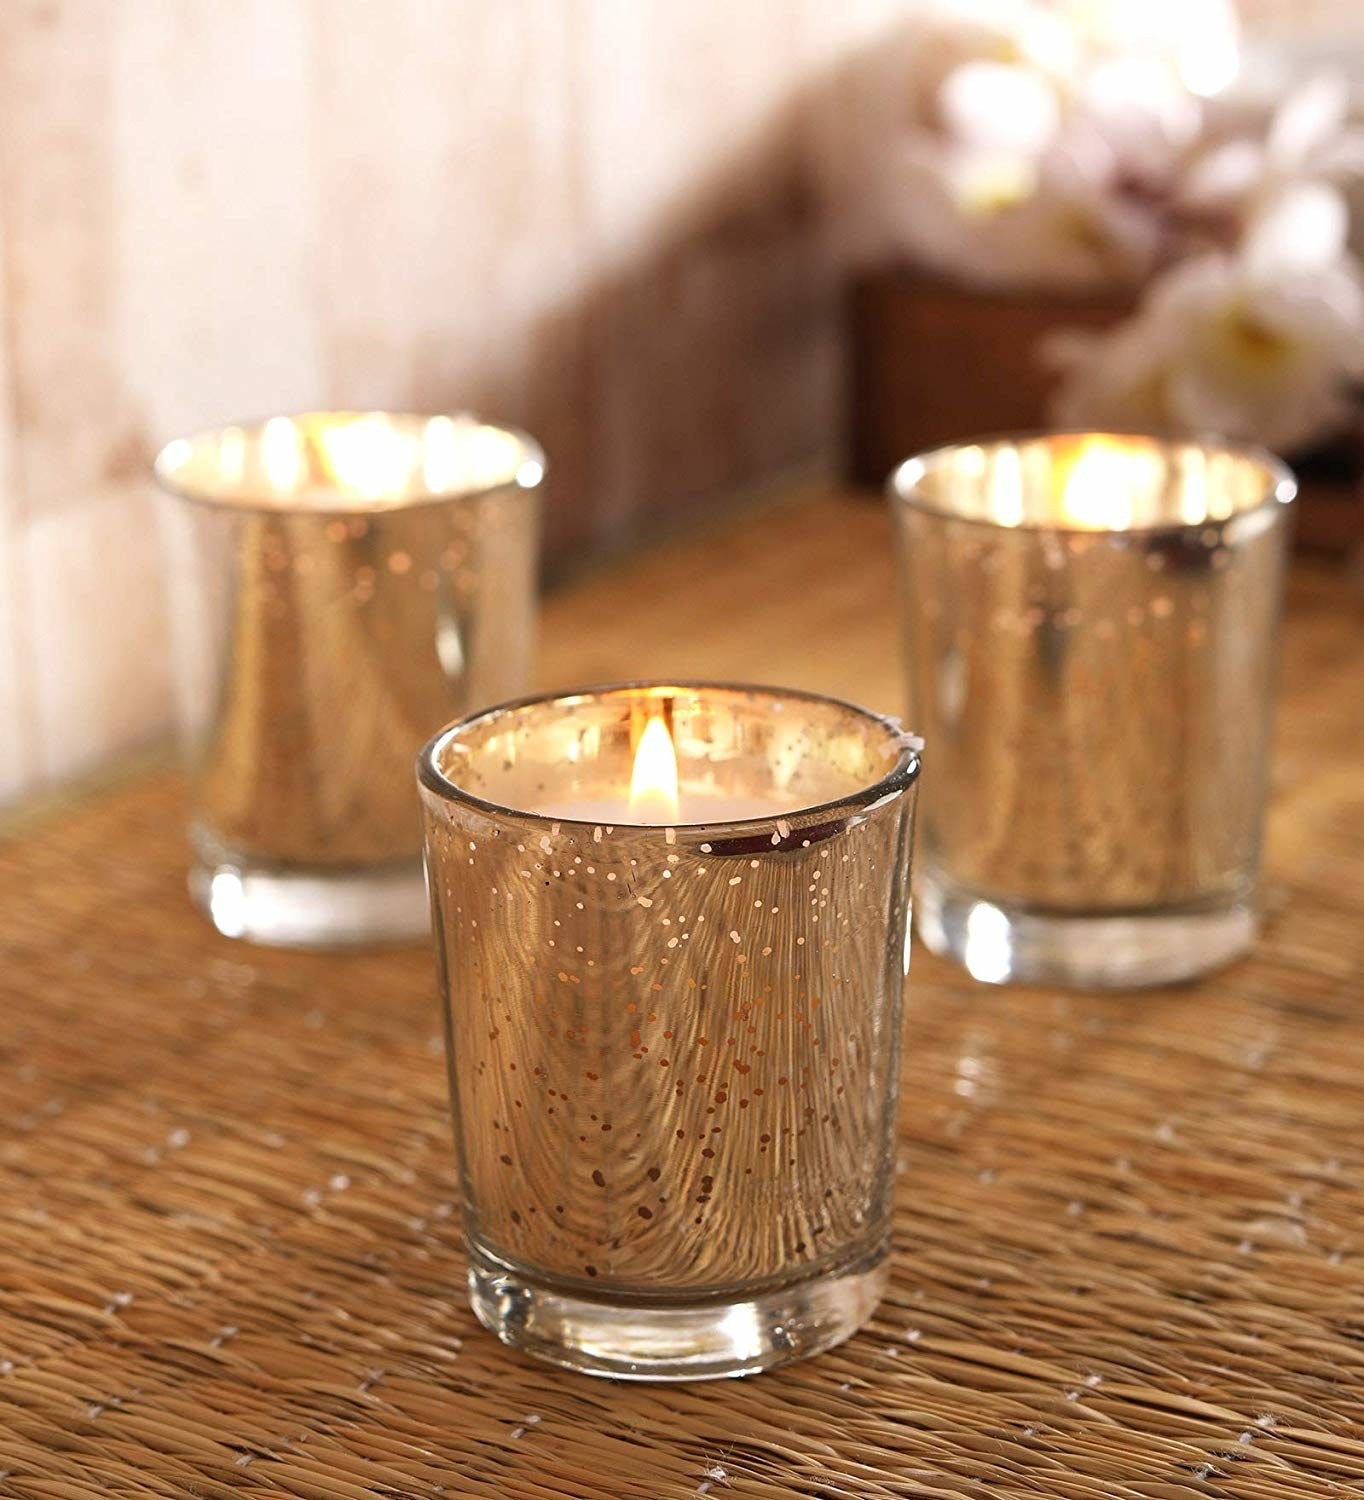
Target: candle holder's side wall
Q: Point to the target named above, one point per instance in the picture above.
(314, 651)
(673, 1065)
(1099, 704)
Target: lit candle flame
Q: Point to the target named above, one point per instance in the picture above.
(1100, 481)
(653, 782)
(365, 456)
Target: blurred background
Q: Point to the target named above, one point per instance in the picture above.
(630, 228)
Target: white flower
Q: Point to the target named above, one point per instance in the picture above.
(995, 106)
(1025, 35)
(1197, 40)
(1303, 227)
(1263, 359)
(994, 218)
(1145, 116)
(1110, 382)
(1032, 153)
(1307, 136)
(1307, 147)
(1250, 347)
(1262, 338)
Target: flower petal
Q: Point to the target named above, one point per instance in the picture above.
(1063, 349)
(1224, 174)
(1119, 381)
(1308, 120)
(1343, 157)
(1138, 106)
(1303, 227)
(999, 106)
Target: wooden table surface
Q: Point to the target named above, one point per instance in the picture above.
(1130, 1227)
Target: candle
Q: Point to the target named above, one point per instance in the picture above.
(1091, 620)
(694, 809)
(340, 582)
(663, 915)
(655, 795)
(349, 461)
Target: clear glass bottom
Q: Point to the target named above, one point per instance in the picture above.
(701, 1338)
(1000, 944)
(290, 907)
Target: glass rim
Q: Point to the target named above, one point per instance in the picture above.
(1280, 488)
(904, 773)
(532, 457)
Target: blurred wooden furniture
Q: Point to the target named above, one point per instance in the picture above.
(931, 363)
(1131, 1228)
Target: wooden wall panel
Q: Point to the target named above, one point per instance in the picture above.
(593, 217)
(98, 658)
(157, 276)
(17, 769)
(452, 256)
(707, 357)
(68, 405)
(221, 211)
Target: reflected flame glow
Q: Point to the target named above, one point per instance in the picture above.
(232, 456)
(227, 903)
(442, 455)
(988, 951)
(281, 453)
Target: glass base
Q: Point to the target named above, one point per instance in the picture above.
(708, 1338)
(293, 908)
(1000, 944)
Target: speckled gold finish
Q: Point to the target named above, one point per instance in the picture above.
(341, 585)
(1091, 628)
(673, 1051)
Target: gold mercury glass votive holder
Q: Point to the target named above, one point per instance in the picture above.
(673, 1017)
(1091, 624)
(341, 583)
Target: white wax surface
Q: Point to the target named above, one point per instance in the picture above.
(693, 809)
